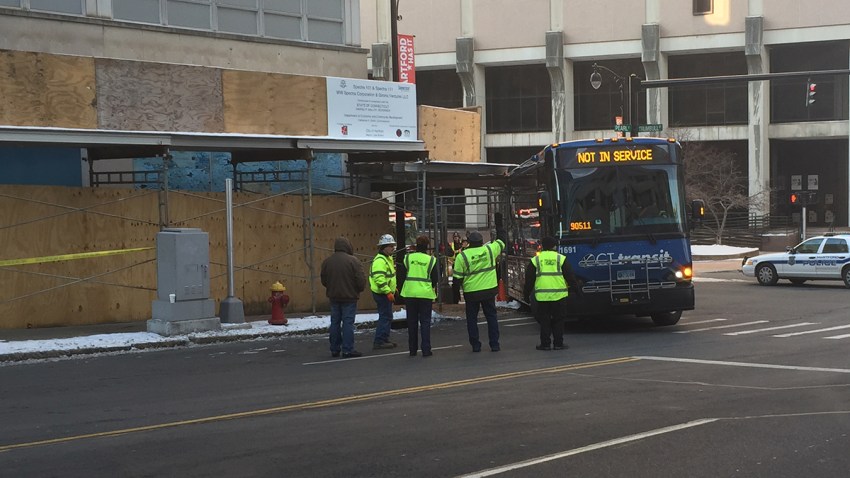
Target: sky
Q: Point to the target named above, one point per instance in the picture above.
(258, 328)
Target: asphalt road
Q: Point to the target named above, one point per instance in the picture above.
(755, 382)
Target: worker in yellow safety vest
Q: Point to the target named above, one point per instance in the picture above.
(475, 268)
(548, 280)
(420, 274)
(382, 282)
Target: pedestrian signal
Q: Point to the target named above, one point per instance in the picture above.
(794, 199)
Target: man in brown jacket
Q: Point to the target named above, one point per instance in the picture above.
(344, 280)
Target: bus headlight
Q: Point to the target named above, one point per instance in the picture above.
(685, 273)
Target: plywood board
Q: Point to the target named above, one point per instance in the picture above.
(39, 89)
(449, 134)
(134, 95)
(270, 244)
(268, 103)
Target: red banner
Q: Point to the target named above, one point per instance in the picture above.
(406, 59)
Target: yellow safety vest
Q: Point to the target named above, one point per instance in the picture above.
(477, 266)
(417, 285)
(550, 284)
(382, 275)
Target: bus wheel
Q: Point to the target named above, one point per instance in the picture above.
(667, 318)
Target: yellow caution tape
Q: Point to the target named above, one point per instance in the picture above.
(68, 257)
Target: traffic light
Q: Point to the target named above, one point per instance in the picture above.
(795, 199)
(811, 91)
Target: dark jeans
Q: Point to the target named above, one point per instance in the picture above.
(418, 318)
(342, 326)
(385, 318)
(550, 316)
(489, 308)
(455, 291)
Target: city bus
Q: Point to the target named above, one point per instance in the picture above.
(617, 208)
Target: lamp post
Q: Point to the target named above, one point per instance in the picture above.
(596, 83)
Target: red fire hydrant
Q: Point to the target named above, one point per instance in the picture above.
(279, 300)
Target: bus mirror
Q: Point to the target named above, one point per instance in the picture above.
(697, 210)
(543, 202)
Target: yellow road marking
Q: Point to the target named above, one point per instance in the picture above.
(68, 257)
(323, 403)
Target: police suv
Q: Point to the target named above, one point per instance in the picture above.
(821, 257)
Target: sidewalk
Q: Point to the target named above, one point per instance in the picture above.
(43, 343)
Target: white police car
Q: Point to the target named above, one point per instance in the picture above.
(821, 257)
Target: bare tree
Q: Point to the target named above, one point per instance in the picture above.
(711, 174)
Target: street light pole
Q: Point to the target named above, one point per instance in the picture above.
(596, 83)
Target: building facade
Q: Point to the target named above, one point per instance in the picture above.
(528, 65)
(294, 37)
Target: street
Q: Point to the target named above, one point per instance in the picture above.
(754, 382)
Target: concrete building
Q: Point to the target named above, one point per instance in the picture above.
(528, 66)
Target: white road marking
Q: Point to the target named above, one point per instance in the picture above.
(714, 279)
(744, 364)
(828, 329)
(838, 336)
(721, 327)
(341, 360)
(515, 319)
(596, 446)
(801, 324)
(702, 321)
(521, 325)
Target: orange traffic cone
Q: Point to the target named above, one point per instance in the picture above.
(503, 293)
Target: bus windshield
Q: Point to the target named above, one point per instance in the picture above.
(624, 200)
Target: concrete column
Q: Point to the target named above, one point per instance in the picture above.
(382, 21)
(758, 106)
(655, 68)
(556, 15)
(555, 68)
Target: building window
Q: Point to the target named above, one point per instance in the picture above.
(598, 109)
(712, 104)
(439, 88)
(518, 99)
(322, 21)
(71, 7)
(703, 7)
(514, 155)
(788, 96)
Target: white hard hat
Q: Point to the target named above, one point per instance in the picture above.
(386, 240)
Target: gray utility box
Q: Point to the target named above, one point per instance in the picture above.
(183, 301)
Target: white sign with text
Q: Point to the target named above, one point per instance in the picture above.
(369, 109)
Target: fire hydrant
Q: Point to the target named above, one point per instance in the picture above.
(279, 300)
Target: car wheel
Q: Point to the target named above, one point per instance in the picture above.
(667, 318)
(766, 274)
(845, 274)
(797, 281)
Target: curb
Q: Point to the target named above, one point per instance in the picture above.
(181, 342)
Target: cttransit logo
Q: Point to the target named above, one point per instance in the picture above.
(612, 258)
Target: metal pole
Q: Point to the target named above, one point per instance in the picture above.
(803, 222)
(631, 124)
(394, 36)
(232, 310)
(423, 214)
(310, 232)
